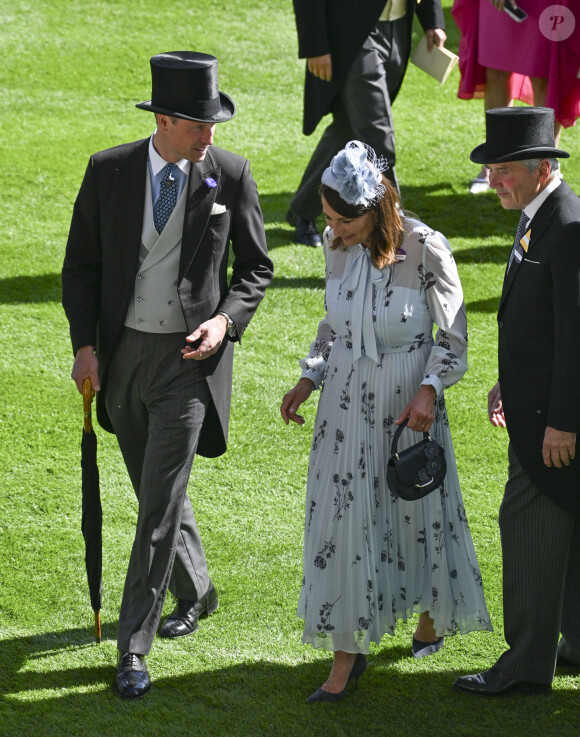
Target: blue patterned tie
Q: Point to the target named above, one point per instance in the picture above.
(167, 198)
(517, 251)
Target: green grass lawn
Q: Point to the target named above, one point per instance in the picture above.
(71, 74)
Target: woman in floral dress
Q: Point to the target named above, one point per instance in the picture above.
(371, 558)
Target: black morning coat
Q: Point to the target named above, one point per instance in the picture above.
(539, 344)
(102, 259)
(340, 27)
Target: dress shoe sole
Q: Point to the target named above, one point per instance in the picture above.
(529, 689)
(564, 662)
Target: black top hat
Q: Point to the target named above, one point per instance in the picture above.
(185, 85)
(516, 133)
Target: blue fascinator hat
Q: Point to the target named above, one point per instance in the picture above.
(356, 174)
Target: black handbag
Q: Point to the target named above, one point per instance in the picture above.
(415, 472)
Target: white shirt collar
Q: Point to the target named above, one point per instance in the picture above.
(533, 207)
(158, 162)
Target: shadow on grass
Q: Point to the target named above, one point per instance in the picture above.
(27, 289)
(455, 214)
(489, 305)
(254, 698)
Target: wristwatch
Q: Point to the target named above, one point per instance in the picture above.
(231, 328)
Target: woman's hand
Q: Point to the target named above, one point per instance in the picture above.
(495, 407)
(293, 399)
(420, 410)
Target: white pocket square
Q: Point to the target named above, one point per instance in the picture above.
(217, 209)
(529, 261)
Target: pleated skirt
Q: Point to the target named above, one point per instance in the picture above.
(371, 559)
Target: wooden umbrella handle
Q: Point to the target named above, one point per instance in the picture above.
(88, 395)
(98, 627)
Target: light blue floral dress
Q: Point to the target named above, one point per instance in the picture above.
(369, 557)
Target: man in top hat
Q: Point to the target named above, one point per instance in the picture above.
(153, 321)
(537, 398)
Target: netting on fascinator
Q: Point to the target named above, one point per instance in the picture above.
(355, 173)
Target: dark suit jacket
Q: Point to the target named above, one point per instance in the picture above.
(539, 344)
(340, 27)
(102, 258)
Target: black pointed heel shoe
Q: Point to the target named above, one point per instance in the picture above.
(359, 667)
(422, 649)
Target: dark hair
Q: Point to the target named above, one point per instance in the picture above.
(387, 234)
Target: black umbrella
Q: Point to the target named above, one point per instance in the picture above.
(92, 519)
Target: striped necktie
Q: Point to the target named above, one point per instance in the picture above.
(167, 197)
(517, 251)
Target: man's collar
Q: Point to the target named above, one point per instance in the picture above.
(158, 162)
(533, 207)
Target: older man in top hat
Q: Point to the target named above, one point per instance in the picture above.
(537, 398)
(153, 321)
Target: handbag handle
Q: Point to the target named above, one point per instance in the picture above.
(397, 435)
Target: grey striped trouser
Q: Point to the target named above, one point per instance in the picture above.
(541, 578)
(157, 403)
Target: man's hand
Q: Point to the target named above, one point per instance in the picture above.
(211, 333)
(435, 37)
(321, 67)
(293, 399)
(495, 407)
(420, 410)
(559, 447)
(86, 365)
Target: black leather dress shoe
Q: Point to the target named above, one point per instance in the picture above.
(306, 230)
(566, 656)
(132, 677)
(184, 619)
(493, 683)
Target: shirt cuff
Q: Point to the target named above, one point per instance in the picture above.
(314, 376)
(434, 381)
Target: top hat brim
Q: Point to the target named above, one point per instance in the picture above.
(227, 111)
(481, 154)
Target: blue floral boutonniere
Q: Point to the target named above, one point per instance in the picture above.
(211, 183)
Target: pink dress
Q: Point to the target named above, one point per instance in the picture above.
(490, 38)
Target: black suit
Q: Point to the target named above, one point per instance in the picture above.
(103, 251)
(159, 418)
(539, 344)
(539, 375)
(369, 60)
(339, 28)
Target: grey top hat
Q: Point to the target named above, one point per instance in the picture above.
(516, 133)
(185, 85)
